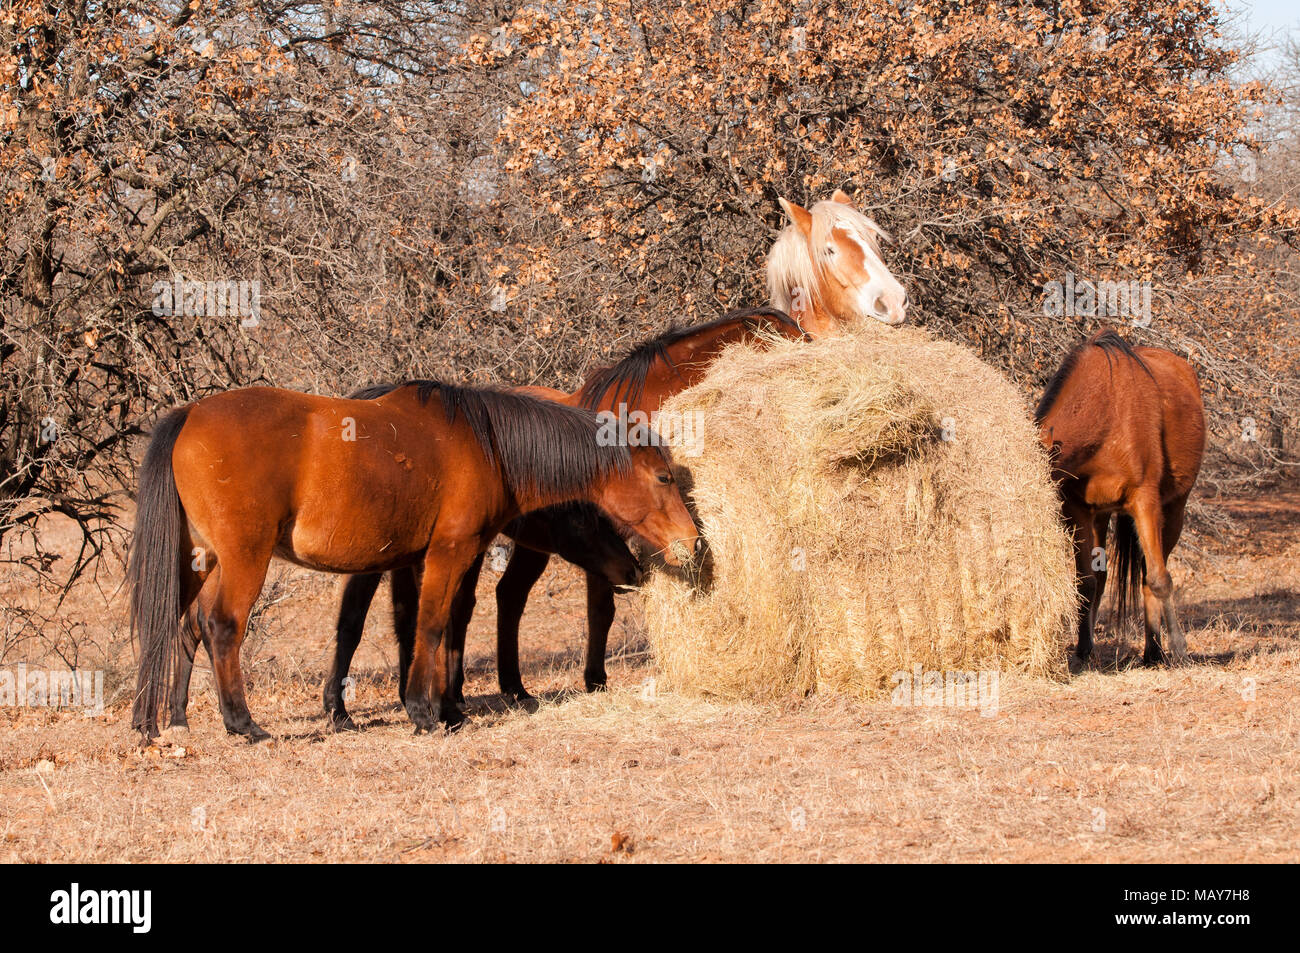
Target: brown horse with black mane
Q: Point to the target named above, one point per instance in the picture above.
(643, 379)
(359, 486)
(1126, 431)
(826, 269)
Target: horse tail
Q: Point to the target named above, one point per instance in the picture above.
(155, 572)
(1127, 567)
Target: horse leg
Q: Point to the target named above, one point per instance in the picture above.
(1085, 540)
(190, 639)
(1100, 534)
(240, 585)
(462, 610)
(358, 592)
(525, 568)
(1157, 586)
(405, 586)
(1157, 607)
(600, 616)
(193, 625)
(428, 686)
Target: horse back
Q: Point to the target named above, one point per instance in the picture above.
(330, 480)
(1123, 424)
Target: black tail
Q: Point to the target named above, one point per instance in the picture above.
(1127, 567)
(155, 573)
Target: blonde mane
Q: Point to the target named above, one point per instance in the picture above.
(790, 266)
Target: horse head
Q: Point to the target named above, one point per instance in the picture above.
(826, 268)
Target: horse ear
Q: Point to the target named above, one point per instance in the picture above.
(842, 197)
(799, 215)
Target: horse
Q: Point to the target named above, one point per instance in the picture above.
(824, 271)
(827, 270)
(359, 486)
(1125, 430)
(645, 377)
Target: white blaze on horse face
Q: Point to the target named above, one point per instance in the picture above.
(878, 293)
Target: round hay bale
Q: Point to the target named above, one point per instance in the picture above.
(872, 503)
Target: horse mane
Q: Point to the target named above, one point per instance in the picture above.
(789, 264)
(373, 391)
(627, 376)
(539, 445)
(1110, 343)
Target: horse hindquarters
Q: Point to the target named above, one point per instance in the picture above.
(192, 635)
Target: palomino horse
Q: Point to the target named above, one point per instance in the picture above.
(825, 268)
(1126, 431)
(426, 474)
(827, 271)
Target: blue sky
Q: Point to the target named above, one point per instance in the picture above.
(1271, 19)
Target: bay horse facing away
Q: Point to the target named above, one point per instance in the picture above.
(1125, 427)
(825, 269)
(358, 486)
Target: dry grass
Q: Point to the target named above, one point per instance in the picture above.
(1117, 764)
(872, 503)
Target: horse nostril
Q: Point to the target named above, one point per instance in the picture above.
(881, 307)
(699, 545)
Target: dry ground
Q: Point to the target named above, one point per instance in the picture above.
(1119, 764)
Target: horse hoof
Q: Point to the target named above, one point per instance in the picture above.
(252, 735)
(148, 736)
(245, 727)
(421, 715)
(1150, 658)
(342, 721)
(599, 686)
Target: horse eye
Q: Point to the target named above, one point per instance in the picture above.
(665, 478)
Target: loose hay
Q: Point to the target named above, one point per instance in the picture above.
(872, 503)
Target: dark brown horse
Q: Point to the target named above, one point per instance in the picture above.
(426, 475)
(1126, 431)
